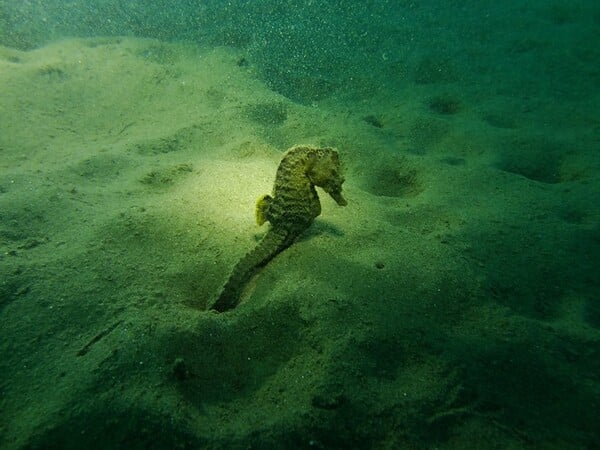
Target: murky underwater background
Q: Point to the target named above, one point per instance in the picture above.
(453, 303)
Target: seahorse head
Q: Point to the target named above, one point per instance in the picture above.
(326, 172)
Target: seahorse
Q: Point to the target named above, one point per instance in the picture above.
(290, 210)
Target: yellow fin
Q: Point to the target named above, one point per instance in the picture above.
(262, 208)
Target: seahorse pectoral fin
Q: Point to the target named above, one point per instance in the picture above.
(262, 208)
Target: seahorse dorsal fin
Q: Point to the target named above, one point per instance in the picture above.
(262, 208)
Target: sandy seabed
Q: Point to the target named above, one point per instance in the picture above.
(452, 304)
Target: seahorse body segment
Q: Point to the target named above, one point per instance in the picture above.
(290, 210)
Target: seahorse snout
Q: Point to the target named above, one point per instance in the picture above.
(338, 197)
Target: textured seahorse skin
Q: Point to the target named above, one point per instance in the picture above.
(290, 210)
(272, 243)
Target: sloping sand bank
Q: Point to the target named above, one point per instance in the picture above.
(451, 304)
